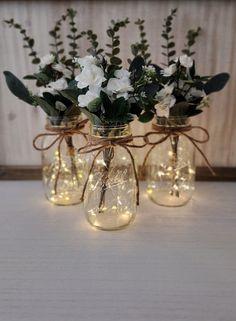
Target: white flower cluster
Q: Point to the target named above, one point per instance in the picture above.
(92, 76)
(165, 97)
(165, 101)
(59, 84)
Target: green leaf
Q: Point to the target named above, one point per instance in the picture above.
(179, 109)
(150, 90)
(171, 45)
(92, 117)
(29, 77)
(119, 108)
(116, 61)
(137, 64)
(17, 87)
(216, 83)
(31, 42)
(70, 94)
(110, 33)
(115, 51)
(171, 53)
(106, 104)
(146, 116)
(95, 105)
(49, 98)
(36, 61)
(73, 110)
(47, 108)
(42, 77)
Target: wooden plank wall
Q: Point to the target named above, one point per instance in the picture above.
(216, 52)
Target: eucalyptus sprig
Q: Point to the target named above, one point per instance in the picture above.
(28, 41)
(74, 36)
(191, 36)
(168, 36)
(141, 48)
(55, 33)
(115, 40)
(92, 38)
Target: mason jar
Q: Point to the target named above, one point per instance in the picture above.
(63, 170)
(170, 167)
(111, 193)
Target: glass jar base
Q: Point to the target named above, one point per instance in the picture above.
(163, 198)
(110, 221)
(62, 200)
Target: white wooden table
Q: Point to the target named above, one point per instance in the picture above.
(172, 264)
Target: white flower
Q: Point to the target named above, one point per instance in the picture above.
(61, 68)
(163, 107)
(46, 60)
(91, 94)
(43, 90)
(91, 75)
(53, 87)
(122, 73)
(195, 93)
(149, 69)
(186, 61)
(169, 71)
(86, 61)
(59, 84)
(119, 85)
(167, 90)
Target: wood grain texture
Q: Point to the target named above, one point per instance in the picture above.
(216, 52)
(227, 174)
(171, 264)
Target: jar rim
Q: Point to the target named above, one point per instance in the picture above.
(105, 126)
(63, 121)
(173, 121)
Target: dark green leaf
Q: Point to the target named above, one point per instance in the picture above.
(179, 109)
(95, 105)
(17, 87)
(115, 51)
(70, 94)
(36, 61)
(146, 116)
(92, 117)
(47, 108)
(115, 61)
(216, 83)
(171, 53)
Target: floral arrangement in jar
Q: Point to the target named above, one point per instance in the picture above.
(171, 95)
(63, 170)
(107, 99)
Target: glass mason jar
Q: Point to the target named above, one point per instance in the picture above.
(63, 170)
(110, 195)
(170, 167)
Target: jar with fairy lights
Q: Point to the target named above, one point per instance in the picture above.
(170, 167)
(63, 169)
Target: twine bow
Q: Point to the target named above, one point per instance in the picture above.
(177, 131)
(100, 144)
(60, 134)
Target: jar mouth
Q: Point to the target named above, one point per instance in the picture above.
(110, 131)
(63, 121)
(173, 121)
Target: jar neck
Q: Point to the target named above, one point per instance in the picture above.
(63, 122)
(172, 121)
(110, 131)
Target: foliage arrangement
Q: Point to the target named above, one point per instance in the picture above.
(102, 89)
(56, 70)
(107, 89)
(175, 90)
